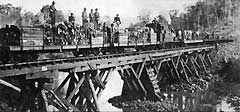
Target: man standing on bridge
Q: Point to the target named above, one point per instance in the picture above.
(71, 19)
(71, 28)
(52, 11)
(84, 18)
(157, 29)
(117, 20)
(104, 30)
(97, 18)
(91, 16)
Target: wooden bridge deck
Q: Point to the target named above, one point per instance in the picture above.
(87, 63)
(87, 76)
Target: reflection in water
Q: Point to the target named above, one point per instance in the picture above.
(209, 100)
(199, 101)
(113, 88)
(216, 98)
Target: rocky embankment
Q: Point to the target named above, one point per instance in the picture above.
(143, 105)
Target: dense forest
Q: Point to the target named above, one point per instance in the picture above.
(205, 14)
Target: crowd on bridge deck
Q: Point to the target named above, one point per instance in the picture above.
(90, 25)
(194, 35)
(180, 34)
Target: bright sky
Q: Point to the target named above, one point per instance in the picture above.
(126, 8)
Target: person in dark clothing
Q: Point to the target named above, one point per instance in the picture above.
(91, 16)
(97, 18)
(158, 31)
(52, 12)
(71, 19)
(157, 28)
(154, 22)
(7, 30)
(164, 35)
(112, 34)
(117, 20)
(104, 30)
(148, 31)
(71, 27)
(109, 35)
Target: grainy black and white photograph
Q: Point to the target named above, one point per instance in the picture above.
(119, 55)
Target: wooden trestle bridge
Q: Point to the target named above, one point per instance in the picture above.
(87, 76)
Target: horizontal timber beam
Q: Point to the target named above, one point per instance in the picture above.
(96, 63)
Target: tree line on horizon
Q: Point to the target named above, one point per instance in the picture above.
(205, 14)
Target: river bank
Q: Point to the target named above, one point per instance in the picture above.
(216, 91)
(218, 96)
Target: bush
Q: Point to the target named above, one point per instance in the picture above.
(226, 61)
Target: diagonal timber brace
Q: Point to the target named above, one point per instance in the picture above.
(175, 69)
(139, 81)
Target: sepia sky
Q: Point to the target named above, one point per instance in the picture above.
(126, 8)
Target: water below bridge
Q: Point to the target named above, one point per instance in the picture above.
(215, 98)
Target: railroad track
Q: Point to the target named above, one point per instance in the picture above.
(78, 59)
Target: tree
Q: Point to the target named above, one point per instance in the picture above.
(10, 14)
(144, 16)
(27, 18)
(176, 22)
(205, 13)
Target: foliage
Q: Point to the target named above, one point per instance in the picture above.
(27, 18)
(144, 15)
(205, 14)
(10, 14)
(144, 18)
(226, 61)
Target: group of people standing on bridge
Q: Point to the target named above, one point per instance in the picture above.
(193, 35)
(186, 35)
(111, 33)
(91, 24)
(92, 20)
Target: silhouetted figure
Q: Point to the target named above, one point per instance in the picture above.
(52, 11)
(117, 19)
(164, 35)
(97, 18)
(71, 19)
(104, 30)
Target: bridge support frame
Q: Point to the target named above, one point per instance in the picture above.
(143, 75)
